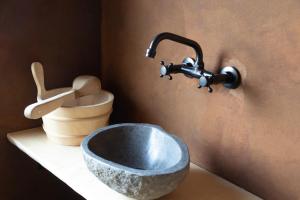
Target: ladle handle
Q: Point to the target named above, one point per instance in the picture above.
(38, 76)
(43, 107)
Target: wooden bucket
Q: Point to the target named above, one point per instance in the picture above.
(69, 124)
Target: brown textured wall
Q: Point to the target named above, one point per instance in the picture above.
(65, 36)
(249, 135)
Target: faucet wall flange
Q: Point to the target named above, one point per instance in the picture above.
(235, 77)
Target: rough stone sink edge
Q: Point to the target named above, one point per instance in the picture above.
(178, 171)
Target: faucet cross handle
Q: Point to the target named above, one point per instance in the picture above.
(165, 70)
(205, 81)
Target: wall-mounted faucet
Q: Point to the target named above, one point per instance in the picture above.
(229, 75)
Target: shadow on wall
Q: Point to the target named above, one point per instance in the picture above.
(123, 104)
(65, 37)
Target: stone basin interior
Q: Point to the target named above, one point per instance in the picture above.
(144, 148)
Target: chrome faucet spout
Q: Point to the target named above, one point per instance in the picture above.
(151, 51)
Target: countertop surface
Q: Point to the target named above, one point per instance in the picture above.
(66, 162)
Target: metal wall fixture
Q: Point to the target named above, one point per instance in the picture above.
(194, 68)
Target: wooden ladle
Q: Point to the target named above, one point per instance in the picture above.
(82, 85)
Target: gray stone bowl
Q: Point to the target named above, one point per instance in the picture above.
(141, 161)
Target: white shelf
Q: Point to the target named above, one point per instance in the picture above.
(67, 164)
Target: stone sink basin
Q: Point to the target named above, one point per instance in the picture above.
(141, 161)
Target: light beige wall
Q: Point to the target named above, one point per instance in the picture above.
(249, 135)
(65, 36)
